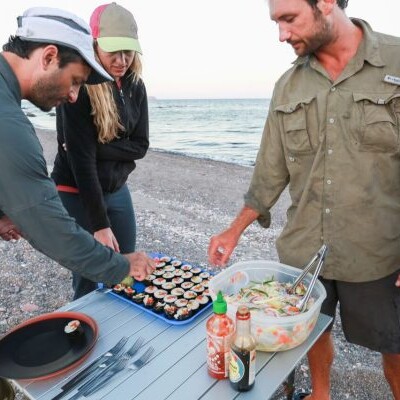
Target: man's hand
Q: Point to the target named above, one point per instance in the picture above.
(8, 231)
(221, 247)
(106, 237)
(140, 265)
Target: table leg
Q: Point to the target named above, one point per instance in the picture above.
(288, 385)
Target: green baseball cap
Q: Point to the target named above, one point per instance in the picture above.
(115, 28)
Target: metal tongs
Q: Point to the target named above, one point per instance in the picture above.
(320, 256)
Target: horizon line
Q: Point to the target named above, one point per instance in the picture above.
(207, 98)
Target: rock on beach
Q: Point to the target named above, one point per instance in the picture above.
(180, 202)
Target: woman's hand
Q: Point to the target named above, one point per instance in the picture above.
(106, 237)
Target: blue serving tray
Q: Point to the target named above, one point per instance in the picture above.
(139, 287)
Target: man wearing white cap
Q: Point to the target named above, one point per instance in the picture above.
(46, 62)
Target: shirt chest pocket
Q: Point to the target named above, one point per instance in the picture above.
(298, 121)
(376, 120)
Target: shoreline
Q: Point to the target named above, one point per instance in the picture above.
(180, 202)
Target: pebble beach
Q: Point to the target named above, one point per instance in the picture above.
(179, 203)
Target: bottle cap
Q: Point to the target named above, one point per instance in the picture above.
(219, 304)
(243, 313)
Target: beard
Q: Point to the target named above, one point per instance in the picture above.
(45, 93)
(321, 36)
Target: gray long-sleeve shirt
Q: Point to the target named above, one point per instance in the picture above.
(29, 197)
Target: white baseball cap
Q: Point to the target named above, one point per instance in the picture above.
(53, 25)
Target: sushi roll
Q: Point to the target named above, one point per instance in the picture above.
(187, 285)
(148, 301)
(160, 294)
(158, 307)
(178, 272)
(169, 268)
(205, 275)
(168, 276)
(170, 310)
(168, 286)
(196, 271)
(202, 300)
(170, 299)
(177, 280)
(187, 276)
(186, 267)
(158, 272)
(199, 289)
(183, 313)
(181, 303)
(159, 281)
(165, 259)
(193, 305)
(178, 292)
(74, 330)
(160, 265)
(138, 298)
(149, 279)
(205, 283)
(207, 293)
(190, 295)
(176, 263)
(129, 292)
(118, 289)
(196, 280)
(150, 289)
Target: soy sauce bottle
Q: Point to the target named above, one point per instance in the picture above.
(242, 364)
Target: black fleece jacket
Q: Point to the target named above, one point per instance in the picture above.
(96, 168)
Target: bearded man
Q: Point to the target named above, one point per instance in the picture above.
(332, 137)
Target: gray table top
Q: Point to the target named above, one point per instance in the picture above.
(177, 369)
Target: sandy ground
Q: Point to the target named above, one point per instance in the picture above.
(179, 203)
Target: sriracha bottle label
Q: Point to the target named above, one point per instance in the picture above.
(218, 355)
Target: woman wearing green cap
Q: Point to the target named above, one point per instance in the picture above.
(101, 135)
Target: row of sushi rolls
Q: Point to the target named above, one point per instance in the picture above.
(175, 289)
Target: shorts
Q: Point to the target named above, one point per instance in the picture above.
(369, 311)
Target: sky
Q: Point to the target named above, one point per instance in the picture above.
(208, 48)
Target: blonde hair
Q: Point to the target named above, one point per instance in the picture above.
(104, 108)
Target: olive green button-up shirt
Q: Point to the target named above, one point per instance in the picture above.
(336, 145)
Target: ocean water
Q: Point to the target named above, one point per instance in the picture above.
(219, 129)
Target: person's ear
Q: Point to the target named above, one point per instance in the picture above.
(326, 6)
(49, 57)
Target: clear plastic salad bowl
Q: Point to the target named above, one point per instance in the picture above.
(272, 333)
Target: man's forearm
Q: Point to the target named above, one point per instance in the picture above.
(245, 218)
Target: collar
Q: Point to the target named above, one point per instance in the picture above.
(368, 49)
(10, 79)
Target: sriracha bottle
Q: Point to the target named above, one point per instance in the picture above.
(220, 329)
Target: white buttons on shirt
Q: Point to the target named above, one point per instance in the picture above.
(291, 159)
(327, 210)
(330, 151)
(331, 120)
(328, 181)
(333, 89)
